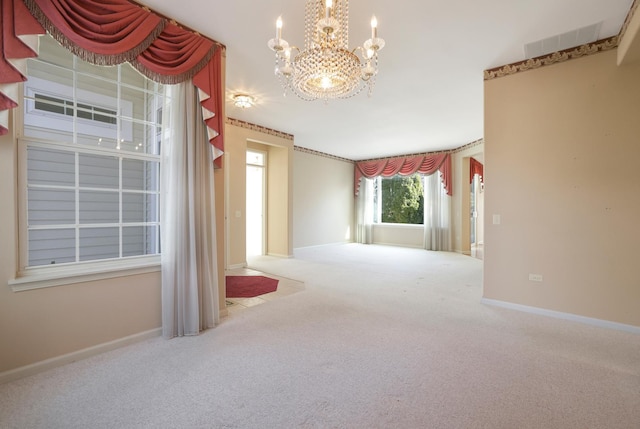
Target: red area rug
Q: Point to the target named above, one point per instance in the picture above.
(249, 286)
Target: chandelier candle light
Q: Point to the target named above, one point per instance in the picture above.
(326, 68)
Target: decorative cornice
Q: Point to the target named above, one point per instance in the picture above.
(259, 128)
(451, 151)
(630, 15)
(556, 57)
(322, 154)
(468, 146)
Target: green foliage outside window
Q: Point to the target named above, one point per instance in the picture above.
(403, 199)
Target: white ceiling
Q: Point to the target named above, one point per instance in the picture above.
(429, 90)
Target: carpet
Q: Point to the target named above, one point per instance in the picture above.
(380, 337)
(249, 286)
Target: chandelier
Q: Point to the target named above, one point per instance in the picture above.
(326, 68)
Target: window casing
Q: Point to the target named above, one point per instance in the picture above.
(89, 154)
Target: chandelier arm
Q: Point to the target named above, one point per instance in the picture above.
(359, 48)
(291, 48)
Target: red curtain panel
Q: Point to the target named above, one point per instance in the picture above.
(16, 21)
(476, 167)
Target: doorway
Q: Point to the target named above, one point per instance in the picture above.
(477, 217)
(255, 208)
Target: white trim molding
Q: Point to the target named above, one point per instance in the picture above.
(337, 243)
(34, 368)
(279, 255)
(41, 277)
(565, 316)
(237, 266)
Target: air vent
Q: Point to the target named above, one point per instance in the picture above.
(563, 41)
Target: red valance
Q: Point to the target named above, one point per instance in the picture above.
(476, 168)
(174, 54)
(112, 32)
(104, 33)
(406, 166)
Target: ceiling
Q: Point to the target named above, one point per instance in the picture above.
(429, 90)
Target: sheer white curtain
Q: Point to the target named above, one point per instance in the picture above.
(437, 214)
(364, 221)
(188, 236)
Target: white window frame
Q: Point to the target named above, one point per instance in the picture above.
(29, 278)
(59, 122)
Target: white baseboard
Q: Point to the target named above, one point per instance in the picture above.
(237, 266)
(279, 255)
(336, 243)
(462, 252)
(409, 246)
(566, 316)
(34, 368)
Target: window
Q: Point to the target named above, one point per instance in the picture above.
(44, 103)
(90, 156)
(399, 199)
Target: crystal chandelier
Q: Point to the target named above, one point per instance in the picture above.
(326, 68)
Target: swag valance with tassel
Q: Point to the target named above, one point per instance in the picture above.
(109, 33)
(406, 166)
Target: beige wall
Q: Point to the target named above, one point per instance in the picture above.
(45, 323)
(323, 200)
(561, 152)
(279, 201)
(279, 192)
(629, 48)
(398, 235)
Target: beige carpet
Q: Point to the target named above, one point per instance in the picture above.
(380, 337)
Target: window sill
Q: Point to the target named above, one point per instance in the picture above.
(43, 277)
(399, 225)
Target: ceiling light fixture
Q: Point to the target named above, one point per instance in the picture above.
(326, 68)
(243, 101)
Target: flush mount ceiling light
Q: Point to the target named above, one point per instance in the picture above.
(326, 68)
(243, 101)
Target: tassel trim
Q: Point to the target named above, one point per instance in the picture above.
(177, 78)
(88, 56)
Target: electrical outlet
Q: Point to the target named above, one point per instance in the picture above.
(535, 277)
